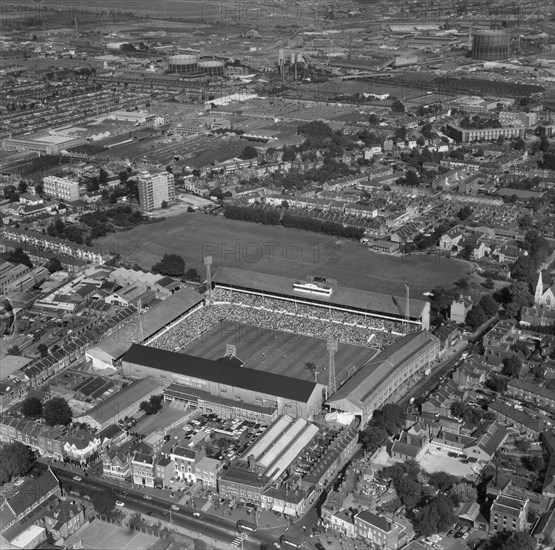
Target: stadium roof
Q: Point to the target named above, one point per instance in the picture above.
(361, 300)
(221, 373)
(367, 381)
(155, 319)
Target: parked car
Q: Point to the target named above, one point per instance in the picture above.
(119, 503)
(147, 497)
(77, 478)
(175, 508)
(197, 515)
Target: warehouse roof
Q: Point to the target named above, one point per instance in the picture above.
(216, 371)
(361, 300)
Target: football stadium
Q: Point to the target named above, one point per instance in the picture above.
(260, 345)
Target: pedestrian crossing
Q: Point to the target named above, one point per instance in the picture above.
(238, 541)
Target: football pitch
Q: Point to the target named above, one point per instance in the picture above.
(280, 251)
(279, 352)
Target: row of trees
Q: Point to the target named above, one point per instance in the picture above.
(173, 265)
(153, 405)
(273, 216)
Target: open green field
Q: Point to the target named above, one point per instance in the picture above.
(279, 352)
(280, 251)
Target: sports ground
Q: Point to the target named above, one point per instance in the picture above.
(281, 251)
(279, 352)
(100, 535)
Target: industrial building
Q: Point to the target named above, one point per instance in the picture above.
(155, 189)
(374, 384)
(490, 45)
(224, 379)
(121, 404)
(61, 188)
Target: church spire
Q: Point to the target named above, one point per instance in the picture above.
(539, 290)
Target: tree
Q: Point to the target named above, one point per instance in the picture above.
(534, 463)
(464, 492)
(17, 256)
(374, 119)
(16, 460)
(39, 188)
(523, 445)
(54, 265)
(42, 349)
(153, 405)
(442, 480)
(506, 540)
(544, 144)
(22, 188)
(489, 284)
(397, 107)
(192, 275)
(14, 350)
(511, 366)
(435, 517)
(372, 438)
(497, 384)
(57, 411)
(288, 154)
(489, 305)
(10, 193)
(464, 213)
(249, 152)
(31, 406)
(457, 409)
(476, 317)
(164, 204)
(104, 501)
(428, 131)
(171, 265)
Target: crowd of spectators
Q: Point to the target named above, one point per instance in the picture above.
(282, 315)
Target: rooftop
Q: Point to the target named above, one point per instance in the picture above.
(214, 371)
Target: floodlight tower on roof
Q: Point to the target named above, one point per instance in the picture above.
(332, 385)
(208, 263)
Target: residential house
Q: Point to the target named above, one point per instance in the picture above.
(459, 309)
(471, 374)
(508, 513)
(391, 533)
(532, 392)
(63, 519)
(163, 472)
(451, 239)
(411, 444)
(521, 420)
(116, 463)
(81, 445)
(207, 471)
(142, 469)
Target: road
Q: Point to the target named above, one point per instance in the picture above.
(209, 526)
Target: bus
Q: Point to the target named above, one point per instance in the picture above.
(246, 527)
(288, 542)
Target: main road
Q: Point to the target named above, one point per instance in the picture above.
(208, 526)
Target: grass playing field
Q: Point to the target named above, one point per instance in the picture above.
(279, 352)
(280, 251)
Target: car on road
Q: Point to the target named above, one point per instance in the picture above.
(119, 503)
(197, 515)
(77, 478)
(147, 497)
(175, 507)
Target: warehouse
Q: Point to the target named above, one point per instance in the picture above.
(374, 384)
(225, 378)
(121, 404)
